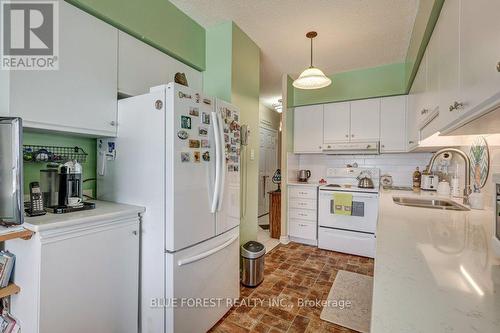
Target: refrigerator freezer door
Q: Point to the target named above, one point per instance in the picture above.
(228, 210)
(11, 168)
(205, 272)
(190, 168)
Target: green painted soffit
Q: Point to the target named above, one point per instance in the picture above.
(425, 21)
(387, 80)
(156, 22)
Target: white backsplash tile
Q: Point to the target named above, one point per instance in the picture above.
(399, 166)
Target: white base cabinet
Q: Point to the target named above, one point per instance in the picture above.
(302, 214)
(79, 279)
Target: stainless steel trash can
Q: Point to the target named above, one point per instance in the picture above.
(252, 258)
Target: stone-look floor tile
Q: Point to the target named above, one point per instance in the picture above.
(293, 272)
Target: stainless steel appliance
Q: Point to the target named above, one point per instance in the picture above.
(429, 182)
(70, 182)
(304, 175)
(49, 184)
(353, 233)
(496, 226)
(11, 169)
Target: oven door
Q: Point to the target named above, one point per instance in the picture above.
(364, 214)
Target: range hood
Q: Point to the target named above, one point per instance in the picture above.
(352, 148)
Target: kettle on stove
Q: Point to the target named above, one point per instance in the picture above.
(365, 181)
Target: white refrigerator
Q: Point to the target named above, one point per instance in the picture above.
(178, 154)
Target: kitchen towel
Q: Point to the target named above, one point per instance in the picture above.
(342, 203)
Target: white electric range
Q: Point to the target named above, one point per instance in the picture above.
(354, 233)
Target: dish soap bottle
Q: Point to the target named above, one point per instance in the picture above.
(417, 178)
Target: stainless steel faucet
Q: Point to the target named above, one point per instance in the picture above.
(467, 189)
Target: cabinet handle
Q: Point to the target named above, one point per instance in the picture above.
(347, 135)
(411, 142)
(424, 111)
(456, 105)
(319, 147)
(113, 123)
(383, 146)
(302, 225)
(329, 146)
(498, 66)
(134, 232)
(352, 135)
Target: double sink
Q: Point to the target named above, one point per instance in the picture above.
(445, 204)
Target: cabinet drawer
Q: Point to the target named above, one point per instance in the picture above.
(302, 229)
(303, 214)
(303, 203)
(303, 192)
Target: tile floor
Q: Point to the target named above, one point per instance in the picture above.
(263, 235)
(293, 272)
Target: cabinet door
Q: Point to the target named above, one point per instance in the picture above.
(90, 282)
(415, 99)
(393, 124)
(336, 122)
(308, 129)
(365, 120)
(141, 67)
(479, 52)
(80, 97)
(4, 93)
(447, 31)
(431, 99)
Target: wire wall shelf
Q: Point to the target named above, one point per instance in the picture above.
(54, 154)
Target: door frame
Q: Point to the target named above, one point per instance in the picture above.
(267, 127)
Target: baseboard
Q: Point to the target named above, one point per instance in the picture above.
(284, 240)
(303, 241)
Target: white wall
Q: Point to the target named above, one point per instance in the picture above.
(399, 166)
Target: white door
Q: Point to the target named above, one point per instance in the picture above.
(80, 97)
(228, 197)
(268, 163)
(479, 51)
(90, 282)
(190, 176)
(447, 30)
(308, 129)
(336, 122)
(365, 120)
(393, 124)
(208, 271)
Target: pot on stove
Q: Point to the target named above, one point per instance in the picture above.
(365, 181)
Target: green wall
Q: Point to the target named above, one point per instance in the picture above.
(32, 170)
(156, 22)
(231, 51)
(379, 81)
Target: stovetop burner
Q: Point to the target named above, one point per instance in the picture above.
(332, 185)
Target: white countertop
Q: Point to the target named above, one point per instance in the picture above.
(308, 184)
(104, 210)
(434, 270)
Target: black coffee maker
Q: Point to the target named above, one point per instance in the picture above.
(70, 184)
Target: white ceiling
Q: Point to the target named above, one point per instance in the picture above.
(352, 34)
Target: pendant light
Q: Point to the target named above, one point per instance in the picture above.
(312, 77)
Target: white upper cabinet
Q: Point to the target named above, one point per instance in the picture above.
(365, 120)
(336, 126)
(416, 100)
(141, 67)
(308, 129)
(393, 124)
(448, 34)
(479, 52)
(80, 97)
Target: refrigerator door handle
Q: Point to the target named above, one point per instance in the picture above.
(208, 253)
(218, 155)
(222, 162)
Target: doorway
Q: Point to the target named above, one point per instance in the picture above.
(268, 163)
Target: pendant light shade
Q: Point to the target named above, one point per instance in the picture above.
(312, 77)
